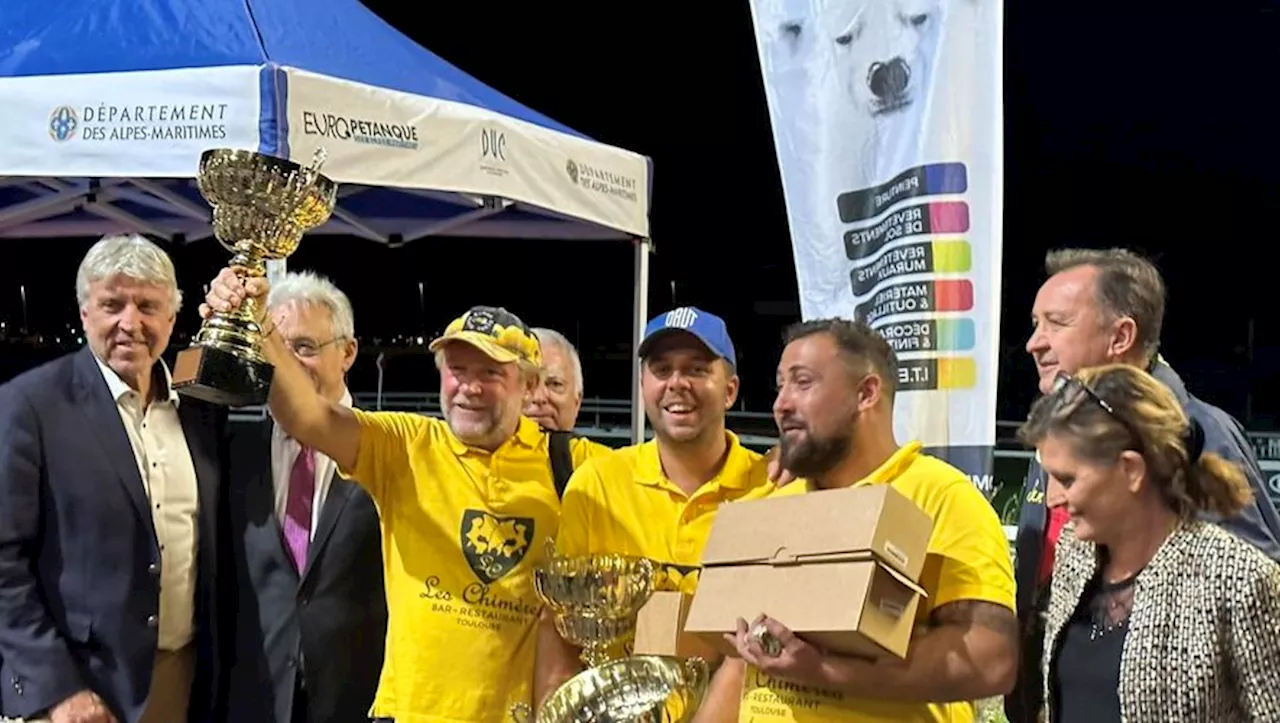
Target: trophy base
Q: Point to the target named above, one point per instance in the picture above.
(219, 377)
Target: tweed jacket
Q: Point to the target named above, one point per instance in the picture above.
(1203, 639)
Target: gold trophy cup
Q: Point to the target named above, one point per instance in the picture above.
(261, 208)
(639, 689)
(594, 599)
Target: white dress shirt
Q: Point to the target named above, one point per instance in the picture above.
(169, 478)
(284, 450)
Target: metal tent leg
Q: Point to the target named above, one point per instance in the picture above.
(643, 247)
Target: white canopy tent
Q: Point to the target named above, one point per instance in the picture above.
(110, 103)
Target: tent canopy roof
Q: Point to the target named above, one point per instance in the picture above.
(337, 39)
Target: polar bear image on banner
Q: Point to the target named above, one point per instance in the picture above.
(887, 118)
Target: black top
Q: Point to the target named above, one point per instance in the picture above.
(1085, 673)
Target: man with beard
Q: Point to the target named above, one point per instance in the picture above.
(834, 409)
(464, 502)
(658, 499)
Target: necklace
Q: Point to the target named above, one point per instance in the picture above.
(1111, 606)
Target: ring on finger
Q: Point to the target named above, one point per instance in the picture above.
(770, 644)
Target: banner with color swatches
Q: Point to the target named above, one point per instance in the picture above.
(888, 130)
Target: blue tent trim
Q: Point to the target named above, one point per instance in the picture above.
(273, 127)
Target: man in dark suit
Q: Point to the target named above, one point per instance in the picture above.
(108, 496)
(309, 610)
(1107, 307)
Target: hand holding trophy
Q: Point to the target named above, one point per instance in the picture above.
(262, 206)
(230, 293)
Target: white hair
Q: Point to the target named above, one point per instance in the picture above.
(306, 287)
(130, 255)
(555, 338)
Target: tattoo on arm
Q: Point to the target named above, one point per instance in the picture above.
(965, 613)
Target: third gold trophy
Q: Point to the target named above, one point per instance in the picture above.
(594, 601)
(637, 689)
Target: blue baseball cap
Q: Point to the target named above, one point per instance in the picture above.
(703, 325)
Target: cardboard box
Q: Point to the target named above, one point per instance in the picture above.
(838, 567)
(660, 629)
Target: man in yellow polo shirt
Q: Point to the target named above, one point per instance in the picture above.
(658, 499)
(834, 411)
(462, 502)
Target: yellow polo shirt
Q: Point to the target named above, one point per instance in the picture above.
(462, 529)
(622, 503)
(968, 560)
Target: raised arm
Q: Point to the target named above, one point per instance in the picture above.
(295, 403)
(44, 673)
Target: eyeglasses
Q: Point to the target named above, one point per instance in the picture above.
(308, 348)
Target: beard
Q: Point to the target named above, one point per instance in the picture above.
(812, 456)
(477, 428)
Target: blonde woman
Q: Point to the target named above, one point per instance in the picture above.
(1153, 615)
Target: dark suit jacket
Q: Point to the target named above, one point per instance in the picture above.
(1257, 524)
(331, 624)
(79, 560)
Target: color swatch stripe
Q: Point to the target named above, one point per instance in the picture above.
(957, 372)
(931, 180)
(953, 372)
(952, 295)
(948, 217)
(952, 257)
(955, 334)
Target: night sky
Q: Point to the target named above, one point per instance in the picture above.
(1148, 129)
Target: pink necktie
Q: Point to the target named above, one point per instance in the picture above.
(297, 507)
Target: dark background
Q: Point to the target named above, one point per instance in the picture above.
(1148, 129)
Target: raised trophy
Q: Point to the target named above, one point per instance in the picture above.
(262, 206)
(594, 599)
(639, 689)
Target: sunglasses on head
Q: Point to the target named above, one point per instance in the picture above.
(1065, 381)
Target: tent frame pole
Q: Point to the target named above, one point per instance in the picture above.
(643, 247)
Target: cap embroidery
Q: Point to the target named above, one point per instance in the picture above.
(682, 317)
